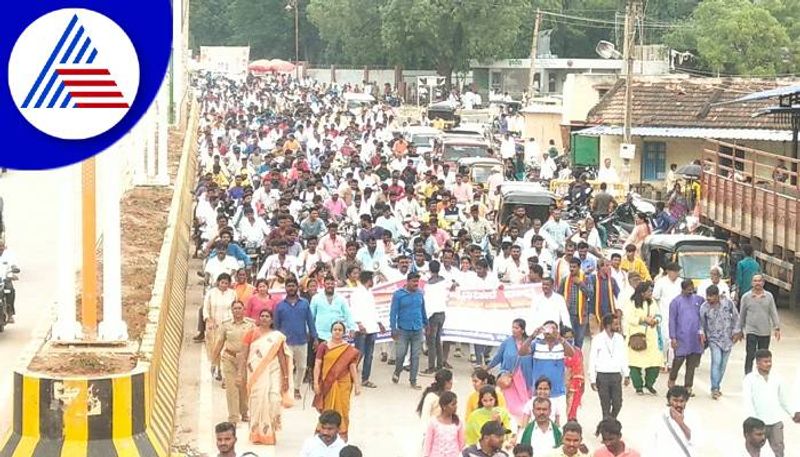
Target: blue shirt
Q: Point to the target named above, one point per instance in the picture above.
(548, 362)
(745, 270)
(326, 313)
(663, 221)
(408, 311)
(294, 320)
(236, 252)
(507, 356)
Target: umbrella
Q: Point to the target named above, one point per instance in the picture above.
(281, 66)
(690, 170)
(260, 66)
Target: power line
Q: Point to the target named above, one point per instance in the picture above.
(607, 22)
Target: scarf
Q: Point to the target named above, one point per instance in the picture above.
(568, 283)
(598, 297)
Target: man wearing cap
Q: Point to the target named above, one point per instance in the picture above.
(493, 435)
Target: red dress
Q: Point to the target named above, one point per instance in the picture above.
(575, 385)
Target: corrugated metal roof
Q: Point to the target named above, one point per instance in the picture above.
(688, 132)
(780, 91)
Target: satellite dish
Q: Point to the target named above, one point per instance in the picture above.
(606, 50)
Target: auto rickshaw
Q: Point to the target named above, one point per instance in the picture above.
(695, 254)
(536, 200)
(443, 115)
(479, 168)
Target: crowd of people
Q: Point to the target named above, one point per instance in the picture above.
(299, 196)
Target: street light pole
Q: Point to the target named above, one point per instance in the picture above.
(297, 38)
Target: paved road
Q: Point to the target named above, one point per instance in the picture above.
(30, 207)
(383, 422)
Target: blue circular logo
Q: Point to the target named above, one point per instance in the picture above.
(79, 76)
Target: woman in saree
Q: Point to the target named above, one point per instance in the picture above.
(336, 376)
(244, 290)
(515, 372)
(265, 366)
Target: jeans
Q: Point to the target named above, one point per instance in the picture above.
(482, 353)
(434, 341)
(365, 343)
(408, 339)
(719, 360)
(578, 330)
(753, 343)
(609, 389)
(692, 362)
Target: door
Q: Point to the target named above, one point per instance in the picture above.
(586, 150)
(654, 161)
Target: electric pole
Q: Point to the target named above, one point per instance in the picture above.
(534, 50)
(632, 10)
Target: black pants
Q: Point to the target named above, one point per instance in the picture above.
(692, 362)
(753, 343)
(201, 323)
(434, 341)
(609, 389)
(12, 297)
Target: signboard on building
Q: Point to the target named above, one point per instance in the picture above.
(229, 60)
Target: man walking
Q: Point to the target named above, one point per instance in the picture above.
(608, 365)
(755, 437)
(571, 442)
(328, 307)
(675, 433)
(436, 291)
(362, 306)
(718, 320)
(407, 318)
(746, 269)
(758, 318)
(577, 292)
(684, 334)
(293, 318)
(766, 398)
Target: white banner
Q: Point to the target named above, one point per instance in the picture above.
(229, 60)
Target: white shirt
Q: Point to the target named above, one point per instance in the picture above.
(215, 267)
(741, 451)
(608, 354)
(552, 308)
(473, 281)
(607, 175)
(362, 308)
(273, 263)
(662, 442)
(436, 296)
(254, 232)
(765, 398)
(314, 447)
(508, 148)
(542, 442)
(724, 289)
(514, 273)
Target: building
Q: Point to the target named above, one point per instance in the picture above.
(673, 116)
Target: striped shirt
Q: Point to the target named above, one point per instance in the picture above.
(548, 362)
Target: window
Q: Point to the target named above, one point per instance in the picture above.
(551, 83)
(497, 80)
(654, 161)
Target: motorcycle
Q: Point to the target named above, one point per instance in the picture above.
(8, 275)
(620, 223)
(257, 255)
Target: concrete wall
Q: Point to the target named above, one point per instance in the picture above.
(581, 94)
(544, 127)
(679, 151)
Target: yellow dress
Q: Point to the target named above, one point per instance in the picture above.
(652, 356)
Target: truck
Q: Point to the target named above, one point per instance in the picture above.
(754, 196)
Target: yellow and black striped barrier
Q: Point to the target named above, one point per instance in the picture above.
(129, 415)
(80, 417)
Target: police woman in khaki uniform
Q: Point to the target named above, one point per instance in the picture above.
(227, 350)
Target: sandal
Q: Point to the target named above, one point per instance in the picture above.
(369, 384)
(395, 378)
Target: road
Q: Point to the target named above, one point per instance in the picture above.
(383, 422)
(29, 212)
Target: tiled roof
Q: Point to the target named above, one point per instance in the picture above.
(688, 102)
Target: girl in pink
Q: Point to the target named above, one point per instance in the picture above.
(445, 434)
(259, 301)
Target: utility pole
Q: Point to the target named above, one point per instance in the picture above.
(631, 14)
(297, 36)
(534, 50)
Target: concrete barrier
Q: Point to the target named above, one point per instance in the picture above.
(126, 415)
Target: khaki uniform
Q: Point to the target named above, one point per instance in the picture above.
(231, 336)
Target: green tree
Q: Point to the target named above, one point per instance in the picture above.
(735, 37)
(209, 23)
(447, 34)
(351, 30)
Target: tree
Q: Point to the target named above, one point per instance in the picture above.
(209, 23)
(735, 37)
(351, 29)
(447, 34)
